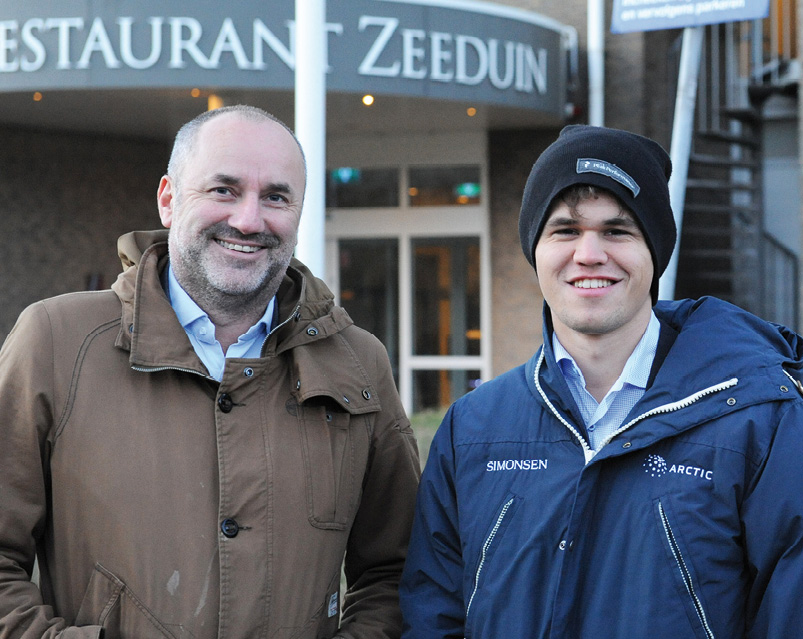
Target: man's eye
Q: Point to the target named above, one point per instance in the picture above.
(277, 197)
(222, 190)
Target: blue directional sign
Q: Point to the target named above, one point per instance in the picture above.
(651, 15)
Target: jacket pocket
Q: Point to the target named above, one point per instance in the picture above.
(324, 623)
(109, 603)
(491, 542)
(335, 451)
(685, 580)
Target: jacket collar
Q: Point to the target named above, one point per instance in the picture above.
(722, 360)
(155, 339)
(552, 378)
(149, 329)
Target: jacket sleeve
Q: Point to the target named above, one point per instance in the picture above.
(377, 544)
(431, 591)
(772, 515)
(26, 417)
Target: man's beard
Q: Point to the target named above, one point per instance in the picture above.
(214, 284)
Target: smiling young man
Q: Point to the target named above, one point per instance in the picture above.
(595, 271)
(201, 450)
(639, 476)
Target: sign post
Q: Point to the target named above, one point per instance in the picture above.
(692, 16)
(679, 152)
(310, 127)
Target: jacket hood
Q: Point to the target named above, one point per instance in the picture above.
(131, 246)
(722, 339)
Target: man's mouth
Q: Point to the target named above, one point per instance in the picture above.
(242, 248)
(592, 283)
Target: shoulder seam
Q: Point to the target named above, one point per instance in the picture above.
(76, 372)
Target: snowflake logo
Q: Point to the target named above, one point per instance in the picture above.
(655, 466)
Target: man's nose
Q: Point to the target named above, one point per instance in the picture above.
(247, 216)
(590, 249)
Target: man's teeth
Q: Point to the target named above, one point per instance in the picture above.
(238, 247)
(592, 283)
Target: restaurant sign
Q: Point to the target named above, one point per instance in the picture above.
(437, 48)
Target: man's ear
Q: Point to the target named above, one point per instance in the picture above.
(165, 197)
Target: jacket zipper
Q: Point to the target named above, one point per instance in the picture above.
(684, 572)
(666, 408)
(587, 451)
(484, 553)
(293, 315)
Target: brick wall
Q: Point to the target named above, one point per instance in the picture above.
(515, 295)
(65, 200)
(636, 79)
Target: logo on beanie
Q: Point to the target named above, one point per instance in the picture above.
(591, 165)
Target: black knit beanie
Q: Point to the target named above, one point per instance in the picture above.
(632, 167)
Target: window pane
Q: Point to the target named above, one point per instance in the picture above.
(436, 390)
(446, 296)
(348, 187)
(369, 283)
(444, 185)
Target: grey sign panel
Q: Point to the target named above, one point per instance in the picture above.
(439, 49)
(651, 15)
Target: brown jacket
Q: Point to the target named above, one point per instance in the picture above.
(162, 503)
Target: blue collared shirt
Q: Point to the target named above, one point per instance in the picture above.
(604, 418)
(201, 330)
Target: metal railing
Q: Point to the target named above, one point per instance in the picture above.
(779, 293)
(743, 63)
(741, 56)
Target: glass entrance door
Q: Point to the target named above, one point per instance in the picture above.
(446, 316)
(408, 257)
(369, 289)
(435, 343)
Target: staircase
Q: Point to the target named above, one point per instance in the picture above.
(720, 245)
(724, 249)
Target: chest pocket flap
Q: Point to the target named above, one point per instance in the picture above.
(335, 446)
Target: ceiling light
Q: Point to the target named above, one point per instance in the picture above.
(368, 100)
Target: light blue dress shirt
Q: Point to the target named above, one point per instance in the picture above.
(201, 330)
(604, 418)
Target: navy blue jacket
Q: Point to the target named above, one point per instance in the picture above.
(687, 524)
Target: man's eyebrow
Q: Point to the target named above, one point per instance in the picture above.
(273, 187)
(621, 220)
(278, 187)
(562, 221)
(569, 220)
(223, 178)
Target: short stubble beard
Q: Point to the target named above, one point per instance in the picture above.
(211, 287)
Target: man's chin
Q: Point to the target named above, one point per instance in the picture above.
(234, 282)
(231, 288)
